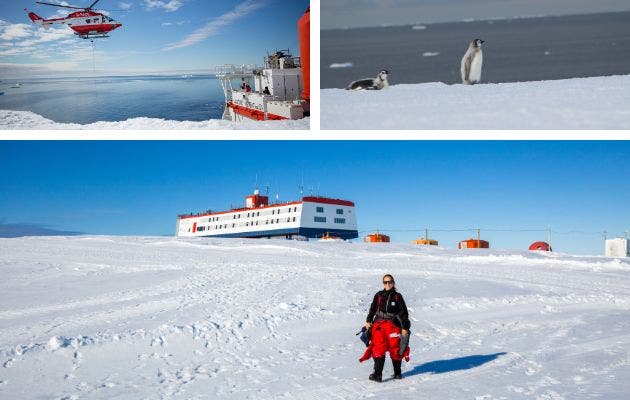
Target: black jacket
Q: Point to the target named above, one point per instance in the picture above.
(391, 306)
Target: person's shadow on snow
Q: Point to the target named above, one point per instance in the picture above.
(455, 364)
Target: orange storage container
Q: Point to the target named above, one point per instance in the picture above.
(473, 244)
(376, 238)
(426, 242)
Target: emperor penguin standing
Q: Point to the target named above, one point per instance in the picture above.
(471, 63)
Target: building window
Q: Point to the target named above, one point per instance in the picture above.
(340, 211)
(319, 209)
(340, 220)
(320, 219)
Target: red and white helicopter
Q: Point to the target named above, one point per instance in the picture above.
(87, 24)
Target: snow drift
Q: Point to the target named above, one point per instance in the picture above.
(139, 317)
(581, 103)
(28, 120)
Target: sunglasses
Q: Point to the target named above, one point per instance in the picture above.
(388, 282)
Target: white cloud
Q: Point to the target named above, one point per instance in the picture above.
(124, 6)
(167, 23)
(14, 31)
(213, 27)
(170, 6)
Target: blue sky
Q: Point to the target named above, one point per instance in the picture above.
(157, 36)
(361, 13)
(138, 188)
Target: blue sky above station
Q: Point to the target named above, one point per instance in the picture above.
(511, 190)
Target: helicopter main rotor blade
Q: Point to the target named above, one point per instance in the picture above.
(92, 5)
(59, 5)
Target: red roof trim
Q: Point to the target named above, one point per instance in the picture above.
(326, 200)
(309, 199)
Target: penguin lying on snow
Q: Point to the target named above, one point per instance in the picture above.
(471, 63)
(378, 83)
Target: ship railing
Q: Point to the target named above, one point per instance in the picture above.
(236, 71)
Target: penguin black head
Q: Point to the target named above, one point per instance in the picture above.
(383, 74)
(478, 42)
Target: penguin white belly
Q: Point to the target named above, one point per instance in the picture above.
(475, 68)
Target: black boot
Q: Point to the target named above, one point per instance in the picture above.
(377, 375)
(397, 369)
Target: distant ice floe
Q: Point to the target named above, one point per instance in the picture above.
(341, 65)
(26, 120)
(418, 27)
(430, 54)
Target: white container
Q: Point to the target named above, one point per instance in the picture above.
(617, 248)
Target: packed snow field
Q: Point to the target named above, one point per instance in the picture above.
(580, 103)
(24, 120)
(154, 317)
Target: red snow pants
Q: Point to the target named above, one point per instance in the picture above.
(385, 338)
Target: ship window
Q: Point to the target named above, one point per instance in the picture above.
(319, 209)
(88, 21)
(233, 225)
(256, 222)
(258, 214)
(320, 219)
(293, 219)
(278, 221)
(289, 219)
(340, 220)
(340, 211)
(294, 208)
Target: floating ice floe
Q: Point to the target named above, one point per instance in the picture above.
(341, 65)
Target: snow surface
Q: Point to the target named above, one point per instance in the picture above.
(580, 103)
(157, 317)
(29, 120)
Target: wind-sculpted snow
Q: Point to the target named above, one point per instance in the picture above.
(141, 317)
(581, 103)
(23, 120)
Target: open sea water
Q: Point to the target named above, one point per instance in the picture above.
(116, 98)
(527, 49)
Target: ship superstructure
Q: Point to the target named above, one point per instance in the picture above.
(269, 93)
(278, 90)
(310, 217)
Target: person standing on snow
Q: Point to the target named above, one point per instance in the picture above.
(388, 319)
